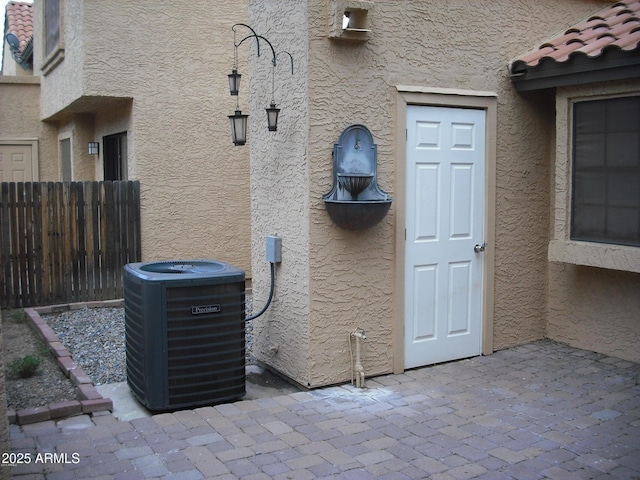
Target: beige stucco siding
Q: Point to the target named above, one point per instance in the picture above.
(20, 119)
(594, 288)
(64, 83)
(425, 44)
(280, 186)
(158, 71)
(595, 309)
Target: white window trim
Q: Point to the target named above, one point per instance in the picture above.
(561, 247)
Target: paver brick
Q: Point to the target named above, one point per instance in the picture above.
(33, 415)
(305, 461)
(466, 471)
(96, 405)
(203, 439)
(66, 364)
(269, 447)
(86, 391)
(278, 427)
(508, 455)
(192, 474)
(371, 458)
(234, 454)
(228, 410)
(134, 452)
(58, 349)
(65, 409)
(78, 375)
(165, 419)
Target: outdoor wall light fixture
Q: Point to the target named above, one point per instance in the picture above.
(234, 81)
(93, 148)
(272, 117)
(238, 119)
(239, 127)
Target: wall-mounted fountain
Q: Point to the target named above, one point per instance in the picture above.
(356, 201)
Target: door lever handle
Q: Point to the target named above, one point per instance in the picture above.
(479, 248)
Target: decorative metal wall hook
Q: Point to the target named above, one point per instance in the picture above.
(238, 120)
(253, 34)
(290, 57)
(234, 76)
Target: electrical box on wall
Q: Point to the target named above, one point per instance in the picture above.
(274, 249)
(350, 20)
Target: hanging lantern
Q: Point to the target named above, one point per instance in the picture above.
(272, 117)
(234, 82)
(239, 127)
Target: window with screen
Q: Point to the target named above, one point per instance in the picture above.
(605, 203)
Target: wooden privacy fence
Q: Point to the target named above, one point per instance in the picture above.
(66, 242)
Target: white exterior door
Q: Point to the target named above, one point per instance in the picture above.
(17, 163)
(445, 183)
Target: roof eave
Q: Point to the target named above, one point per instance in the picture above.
(615, 64)
(26, 57)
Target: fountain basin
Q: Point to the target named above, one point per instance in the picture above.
(354, 183)
(357, 215)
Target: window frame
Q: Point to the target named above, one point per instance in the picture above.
(56, 54)
(604, 171)
(561, 247)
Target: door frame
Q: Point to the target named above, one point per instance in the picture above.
(444, 97)
(114, 158)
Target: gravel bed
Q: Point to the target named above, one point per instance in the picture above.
(96, 339)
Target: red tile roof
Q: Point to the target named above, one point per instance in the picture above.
(613, 27)
(19, 21)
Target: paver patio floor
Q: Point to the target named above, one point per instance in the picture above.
(541, 410)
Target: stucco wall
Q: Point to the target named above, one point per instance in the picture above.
(79, 130)
(280, 185)
(589, 306)
(596, 309)
(418, 43)
(65, 77)
(20, 119)
(159, 72)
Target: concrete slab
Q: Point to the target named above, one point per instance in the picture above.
(125, 405)
(261, 383)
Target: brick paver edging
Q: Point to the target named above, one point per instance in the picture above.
(89, 399)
